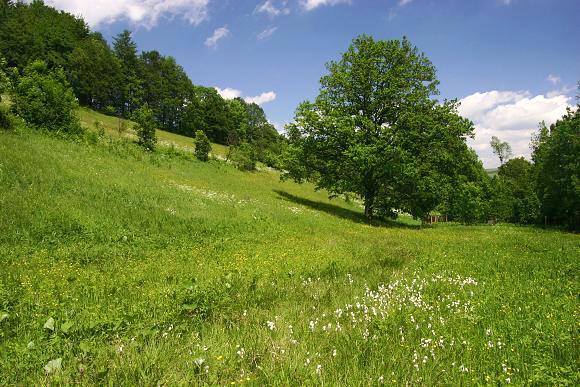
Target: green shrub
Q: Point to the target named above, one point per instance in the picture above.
(6, 119)
(44, 99)
(272, 160)
(244, 156)
(145, 127)
(202, 146)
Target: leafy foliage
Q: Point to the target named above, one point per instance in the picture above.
(34, 31)
(502, 149)
(514, 194)
(44, 98)
(5, 83)
(557, 169)
(145, 127)
(202, 146)
(94, 72)
(243, 156)
(130, 88)
(5, 86)
(374, 131)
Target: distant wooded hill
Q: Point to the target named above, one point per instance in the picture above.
(117, 80)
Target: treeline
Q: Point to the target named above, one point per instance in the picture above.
(118, 80)
(546, 190)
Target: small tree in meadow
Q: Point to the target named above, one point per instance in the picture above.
(202, 146)
(44, 99)
(145, 127)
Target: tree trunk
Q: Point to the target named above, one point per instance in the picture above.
(369, 204)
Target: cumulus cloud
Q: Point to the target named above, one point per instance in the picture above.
(513, 116)
(218, 34)
(267, 33)
(269, 8)
(139, 12)
(229, 93)
(261, 99)
(310, 5)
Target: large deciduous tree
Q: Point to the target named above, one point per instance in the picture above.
(374, 130)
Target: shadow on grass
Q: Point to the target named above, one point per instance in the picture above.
(341, 212)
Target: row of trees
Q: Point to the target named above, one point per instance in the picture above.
(376, 130)
(546, 190)
(119, 80)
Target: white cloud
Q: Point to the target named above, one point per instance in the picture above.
(262, 98)
(553, 79)
(513, 116)
(139, 12)
(230, 93)
(218, 34)
(269, 8)
(404, 2)
(310, 5)
(266, 33)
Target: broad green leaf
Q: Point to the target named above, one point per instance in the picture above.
(53, 366)
(49, 324)
(66, 326)
(84, 346)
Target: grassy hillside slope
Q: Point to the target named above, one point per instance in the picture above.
(133, 268)
(89, 117)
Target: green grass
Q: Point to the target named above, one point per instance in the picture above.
(159, 269)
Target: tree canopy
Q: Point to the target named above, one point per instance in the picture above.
(44, 98)
(557, 169)
(375, 130)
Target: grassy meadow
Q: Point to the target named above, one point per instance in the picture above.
(127, 268)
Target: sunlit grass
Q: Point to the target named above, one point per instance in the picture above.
(111, 126)
(159, 269)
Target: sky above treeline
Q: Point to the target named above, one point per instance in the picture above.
(512, 63)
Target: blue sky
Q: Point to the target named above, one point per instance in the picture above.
(512, 63)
